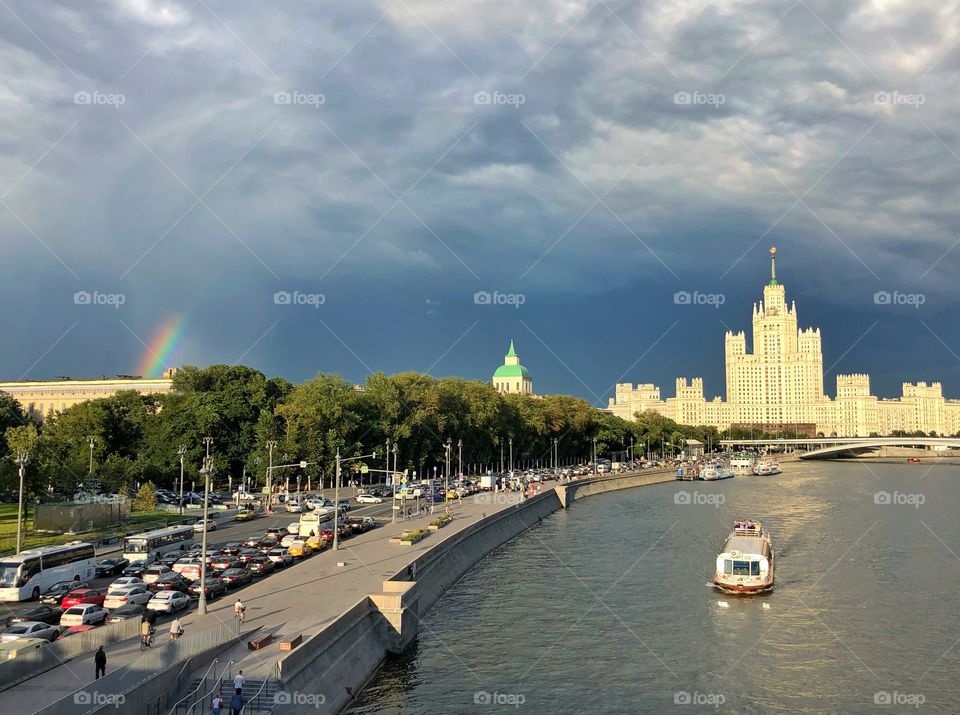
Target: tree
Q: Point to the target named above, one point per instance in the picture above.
(146, 498)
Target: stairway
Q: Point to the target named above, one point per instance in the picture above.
(258, 700)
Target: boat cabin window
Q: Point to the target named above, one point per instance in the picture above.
(754, 568)
(741, 568)
(728, 566)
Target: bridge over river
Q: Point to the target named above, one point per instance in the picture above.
(835, 447)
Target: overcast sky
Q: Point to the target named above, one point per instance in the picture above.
(380, 164)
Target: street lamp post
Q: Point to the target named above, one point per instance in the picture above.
(92, 442)
(271, 445)
(501, 455)
(207, 472)
(460, 458)
(23, 459)
(594, 456)
(387, 456)
(511, 457)
(182, 450)
(336, 495)
(446, 468)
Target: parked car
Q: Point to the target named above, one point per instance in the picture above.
(30, 629)
(35, 614)
(155, 572)
(79, 596)
(54, 595)
(169, 602)
(212, 587)
(369, 499)
(87, 614)
(259, 566)
(125, 582)
(236, 577)
(126, 612)
(136, 569)
(112, 567)
(169, 582)
(131, 594)
(10, 650)
(205, 524)
(280, 557)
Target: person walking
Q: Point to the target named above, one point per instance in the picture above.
(100, 659)
(236, 703)
(217, 705)
(238, 681)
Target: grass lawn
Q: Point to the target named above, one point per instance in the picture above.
(8, 528)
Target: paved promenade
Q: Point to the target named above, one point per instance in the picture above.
(298, 600)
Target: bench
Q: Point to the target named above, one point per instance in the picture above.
(260, 641)
(292, 643)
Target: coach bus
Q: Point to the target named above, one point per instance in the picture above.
(149, 545)
(29, 573)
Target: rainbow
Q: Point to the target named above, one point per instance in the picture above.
(160, 350)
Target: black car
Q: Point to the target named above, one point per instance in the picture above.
(232, 548)
(124, 613)
(136, 569)
(212, 586)
(268, 544)
(344, 505)
(112, 567)
(53, 595)
(259, 565)
(169, 582)
(357, 524)
(252, 543)
(222, 563)
(236, 577)
(43, 614)
(170, 558)
(247, 554)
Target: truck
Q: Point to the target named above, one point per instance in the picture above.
(487, 482)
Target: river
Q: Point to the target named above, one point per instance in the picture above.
(606, 607)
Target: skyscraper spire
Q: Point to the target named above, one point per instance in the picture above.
(773, 265)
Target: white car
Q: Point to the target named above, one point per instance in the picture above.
(368, 499)
(29, 629)
(168, 602)
(281, 557)
(155, 572)
(86, 614)
(289, 538)
(294, 507)
(293, 527)
(124, 596)
(125, 582)
(183, 563)
(210, 524)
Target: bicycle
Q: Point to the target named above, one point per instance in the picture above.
(146, 641)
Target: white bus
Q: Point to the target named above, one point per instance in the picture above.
(311, 521)
(151, 544)
(31, 572)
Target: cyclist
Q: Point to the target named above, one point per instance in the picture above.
(176, 629)
(239, 610)
(146, 633)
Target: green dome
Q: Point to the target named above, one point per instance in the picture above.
(512, 371)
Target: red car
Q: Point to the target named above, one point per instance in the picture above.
(80, 596)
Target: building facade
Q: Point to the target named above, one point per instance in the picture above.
(779, 386)
(512, 377)
(42, 398)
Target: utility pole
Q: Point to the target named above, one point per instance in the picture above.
(336, 506)
(23, 459)
(182, 450)
(271, 445)
(207, 472)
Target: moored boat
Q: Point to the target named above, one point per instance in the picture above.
(741, 465)
(746, 563)
(764, 468)
(713, 472)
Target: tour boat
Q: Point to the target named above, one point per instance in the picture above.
(763, 468)
(742, 465)
(687, 473)
(746, 563)
(713, 472)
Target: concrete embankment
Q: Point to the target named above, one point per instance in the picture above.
(335, 663)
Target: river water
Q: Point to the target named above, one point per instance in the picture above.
(606, 608)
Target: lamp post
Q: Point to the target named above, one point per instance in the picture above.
(387, 456)
(182, 451)
(501, 455)
(23, 459)
(446, 467)
(92, 441)
(594, 461)
(556, 456)
(631, 449)
(207, 472)
(393, 486)
(460, 458)
(336, 495)
(511, 457)
(271, 445)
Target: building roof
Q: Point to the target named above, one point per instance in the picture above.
(512, 371)
(511, 352)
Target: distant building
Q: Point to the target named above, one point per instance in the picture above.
(779, 386)
(512, 377)
(41, 398)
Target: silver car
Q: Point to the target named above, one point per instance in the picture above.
(29, 629)
(168, 602)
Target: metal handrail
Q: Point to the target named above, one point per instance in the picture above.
(217, 687)
(256, 695)
(194, 691)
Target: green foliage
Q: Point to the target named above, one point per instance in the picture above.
(146, 498)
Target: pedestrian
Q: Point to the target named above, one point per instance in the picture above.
(217, 705)
(100, 659)
(238, 681)
(236, 703)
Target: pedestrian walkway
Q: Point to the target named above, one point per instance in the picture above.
(298, 600)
